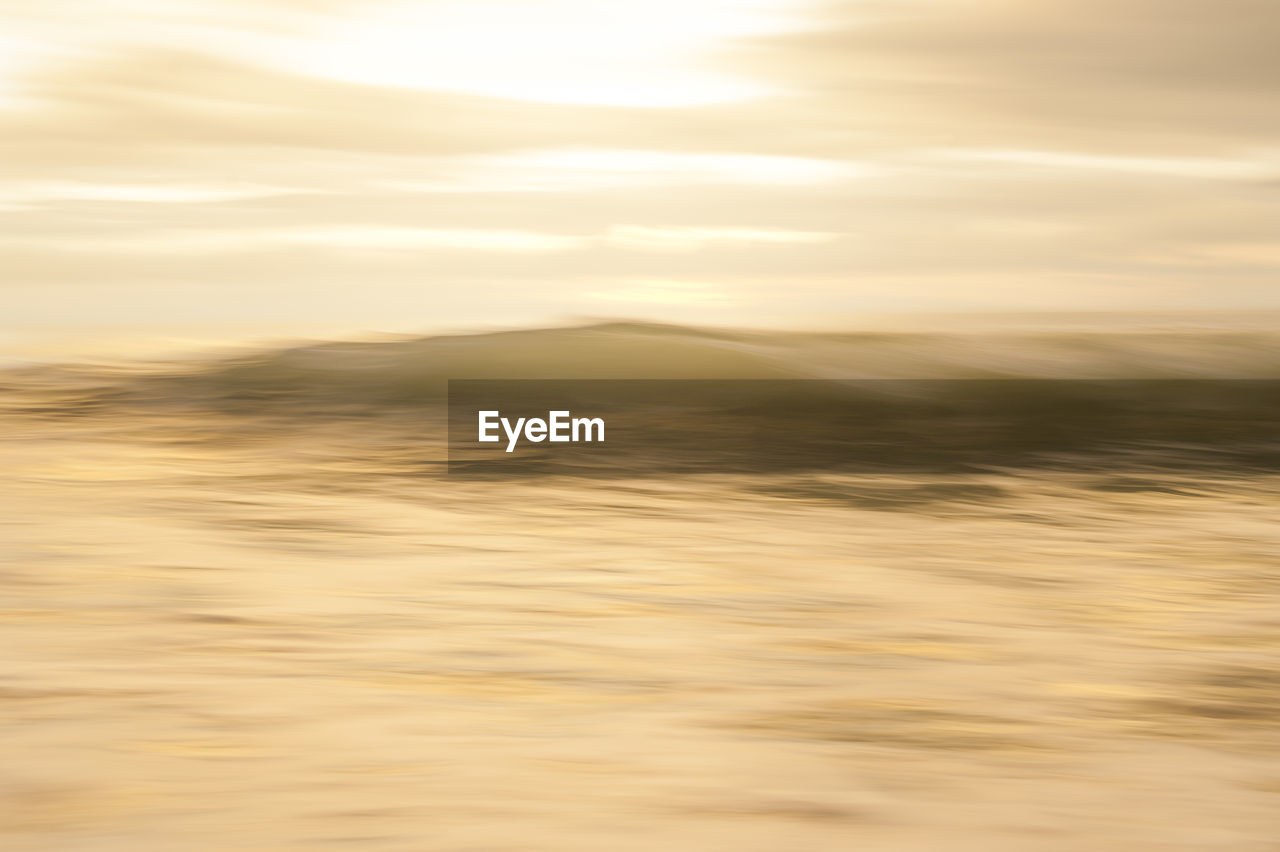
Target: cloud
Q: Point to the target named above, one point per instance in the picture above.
(38, 193)
(575, 169)
(935, 154)
(152, 107)
(1245, 168)
(1105, 75)
(691, 239)
(659, 291)
(177, 241)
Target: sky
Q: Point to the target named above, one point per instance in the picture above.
(204, 167)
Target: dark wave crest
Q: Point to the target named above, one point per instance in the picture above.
(760, 400)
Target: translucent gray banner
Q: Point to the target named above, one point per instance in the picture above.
(633, 427)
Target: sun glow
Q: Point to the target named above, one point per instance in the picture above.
(18, 56)
(558, 51)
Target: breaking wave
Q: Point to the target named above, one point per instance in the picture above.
(816, 399)
(418, 369)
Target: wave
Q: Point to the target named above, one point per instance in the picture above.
(415, 370)
(904, 398)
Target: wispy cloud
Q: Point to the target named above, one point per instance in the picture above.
(577, 169)
(36, 193)
(758, 154)
(337, 238)
(661, 291)
(1242, 167)
(689, 239)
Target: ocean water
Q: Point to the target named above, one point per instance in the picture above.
(247, 606)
